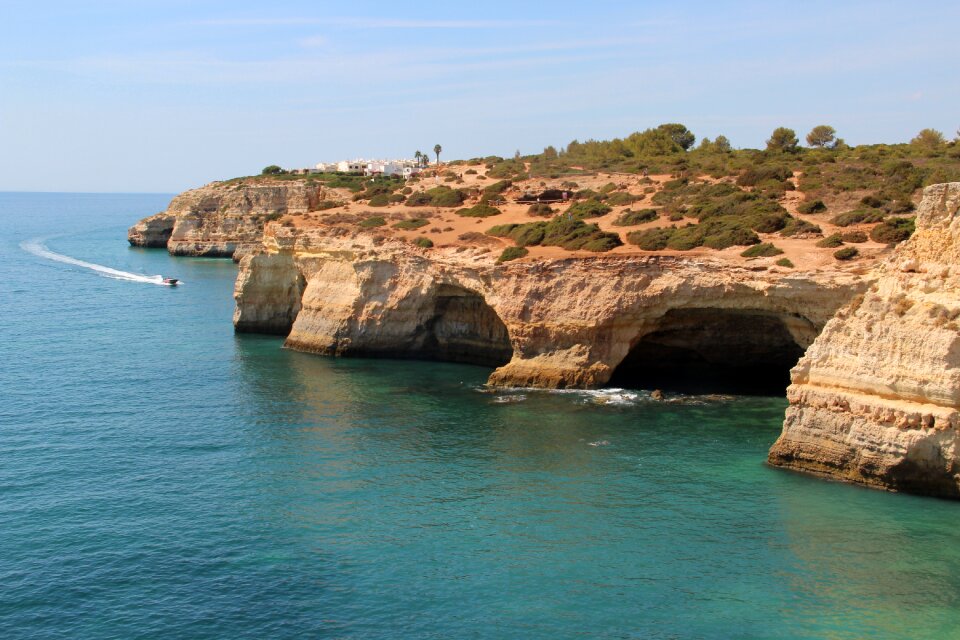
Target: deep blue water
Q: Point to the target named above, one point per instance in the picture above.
(161, 477)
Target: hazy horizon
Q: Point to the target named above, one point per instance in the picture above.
(160, 98)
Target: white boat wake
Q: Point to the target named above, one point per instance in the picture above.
(37, 248)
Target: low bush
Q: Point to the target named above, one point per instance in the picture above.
(540, 209)
(323, 205)
(858, 216)
(831, 242)
(568, 233)
(854, 236)
(512, 253)
(847, 253)
(651, 239)
(893, 230)
(622, 198)
(423, 243)
(412, 223)
(797, 227)
(872, 201)
(762, 250)
(471, 172)
(588, 209)
(379, 200)
(479, 211)
(374, 221)
(754, 175)
(441, 196)
(811, 206)
(784, 262)
(630, 218)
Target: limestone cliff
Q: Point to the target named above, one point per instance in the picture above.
(875, 399)
(551, 323)
(224, 218)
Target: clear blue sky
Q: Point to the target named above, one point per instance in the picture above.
(162, 96)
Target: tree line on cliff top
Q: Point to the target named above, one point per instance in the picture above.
(672, 148)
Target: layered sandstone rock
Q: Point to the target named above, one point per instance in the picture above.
(550, 323)
(875, 399)
(222, 219)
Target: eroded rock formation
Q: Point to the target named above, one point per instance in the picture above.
(875, 398)
(222, 219)
(551, 323)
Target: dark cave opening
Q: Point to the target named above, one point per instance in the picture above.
(713, 351)
(464, 328)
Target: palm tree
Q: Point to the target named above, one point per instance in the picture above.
(416, 157)
(437, 149)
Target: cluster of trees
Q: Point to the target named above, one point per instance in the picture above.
(423, 159)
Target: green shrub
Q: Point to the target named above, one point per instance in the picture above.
(893, 230)
(630, 218)
(323, 205)
(540, 209)
(374, 221)
(512, 253)
(379, 200)
(571, 234)
(446, 197)
(412, 223)
(419, 199)
(831, 242)
(471, 172)
(501, 230)
(754, 175)
(763, 250)
(686, 238)
(854, 236)
(423, 243)
(651, 239)
(622, 198)
(811, 206)
(857, 216)
(588, 209)
(479, 211)
(796, 227)
(784, 262)
(872, 201)
(847, 253)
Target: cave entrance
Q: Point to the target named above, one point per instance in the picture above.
(464, 328)
(715, 351)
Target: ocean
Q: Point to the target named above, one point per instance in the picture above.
(162, 477)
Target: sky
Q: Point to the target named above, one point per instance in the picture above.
(128, 96)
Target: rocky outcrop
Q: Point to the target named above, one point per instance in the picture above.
(153, 232)
(875, 399)
(224, 219)
(550, 323)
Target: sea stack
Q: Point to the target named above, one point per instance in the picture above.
(875, 398)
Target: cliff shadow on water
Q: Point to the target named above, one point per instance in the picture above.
(713, 351)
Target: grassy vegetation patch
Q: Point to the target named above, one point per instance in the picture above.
(858, 216)
(631, 218)
(540, 209)
(893, 230)
(423, 243)
(762, 250)
(847, 253)
(479, 211)
(373, 221)
(441, 196)
(571, 234)
(831, 242)
(811, 206)
(512, 253)
(412, 223)
(588, 209)
(784, 262)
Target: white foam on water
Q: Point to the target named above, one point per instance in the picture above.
(37, 248)
(611, 396)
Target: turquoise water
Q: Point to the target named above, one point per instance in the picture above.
(161, 477)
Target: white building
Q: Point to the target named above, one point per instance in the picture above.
(351, 166)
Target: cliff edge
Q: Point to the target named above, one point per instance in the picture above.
(223, 219)
(875, 398)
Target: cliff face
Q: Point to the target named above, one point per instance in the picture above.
(875, 399)
(551, 323)
(223, 218)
